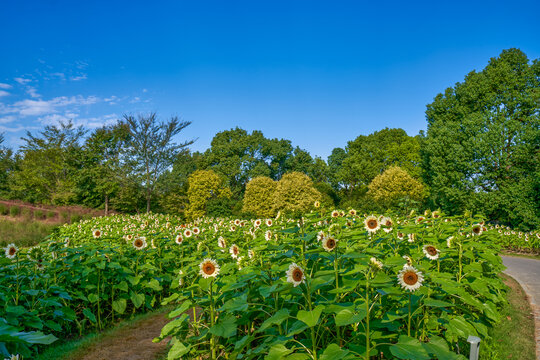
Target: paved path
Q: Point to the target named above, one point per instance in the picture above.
(527, 273)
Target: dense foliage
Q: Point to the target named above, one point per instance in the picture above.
(480, 153)
(393, 185)
(258, 199)
(482, 147)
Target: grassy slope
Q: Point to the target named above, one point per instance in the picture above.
(23, 233)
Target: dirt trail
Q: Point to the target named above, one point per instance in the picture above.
(133, 342)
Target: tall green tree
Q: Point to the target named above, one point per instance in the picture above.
(47, 165)
(100, 176)
(151, 148)
(482, 147)
(7, 164)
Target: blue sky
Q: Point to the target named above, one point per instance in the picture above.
(319, 73)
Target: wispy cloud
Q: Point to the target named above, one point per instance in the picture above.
(22, 81)
(78, 78)
(5, 86)
(7, 119)
(30, 107)
(3, 93)
(32, 91)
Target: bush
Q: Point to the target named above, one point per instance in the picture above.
(258, 197)
(39, 214)
(51, 214)
(75, 218)
(203, 186)
(393, 185)
(4, 210)
(295, 194)
(14, 211)
(64, 215)
(26, 213)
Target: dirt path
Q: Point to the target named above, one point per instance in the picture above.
(527, 273)
(133, 342)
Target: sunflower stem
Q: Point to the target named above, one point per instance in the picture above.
(409, 322)
(212, 339)
(367, 317)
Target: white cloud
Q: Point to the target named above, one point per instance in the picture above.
(30, 107)
(18, 128)
(5, 86)
(136, 99)
(3, 93)
(144, 90)
(78, 78)
(30, 90)
(7, 119)
(22, 81)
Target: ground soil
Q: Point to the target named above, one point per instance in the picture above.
(133, 342)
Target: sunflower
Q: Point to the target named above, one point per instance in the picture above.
(329, 243)
(209, 268)
(411, 237)
(96, 233)
(477, 229)
(371, 224)
(295, 275)
(321, 235)
(222, 243)
(268, 235)
(237, 222)
(420, 219)
(431, 252)
(234, 250)
(410, 279)
(335, 214)
(179, 239)
(140, 243)
(11, 251)
(257, 223)
(386, 221)
(400, 235)
(376, 264)
(188, 233)
(449, 241)
(436, 214)
(269, 222)
(251, 253)
(317, 204)
(352, 212)
(196, 231)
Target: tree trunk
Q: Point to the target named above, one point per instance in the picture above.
(148, 203)
(106, 204)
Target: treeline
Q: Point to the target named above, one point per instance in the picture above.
(481, 152)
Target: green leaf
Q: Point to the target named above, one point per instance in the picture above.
(90, 315)
(310, 318)
(154, 284)
(53, 325)
(123, 286)
(119, 305)
(334, 352)
(177, 350)
(93, 298)
(437, 303)
(137, 299)
(226, 327)
(277, 352)
(347, 317)
(275, 319)
(409, 348)
(238, 303)
(180, 310)
(438, 347)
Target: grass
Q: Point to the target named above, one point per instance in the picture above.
(77, 348)
(528, 256)
(23, 233)
(513, 337)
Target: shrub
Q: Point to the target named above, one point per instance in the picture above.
(203, 186)
(14, 211)
(259, 196)
(51, 214)
(75, 218)
(26, 213)
(64, 215)
(393, 185)
(295, 194)
(4, 210)
(39, 214)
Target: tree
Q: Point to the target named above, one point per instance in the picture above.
(47, 165)
(295, 194)
(394, 185)
(7, 164)
(203, 186)
(99, 177)
(151, 149)
(258, 197)
(482, 147)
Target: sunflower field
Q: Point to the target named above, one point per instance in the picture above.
(328, 285)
